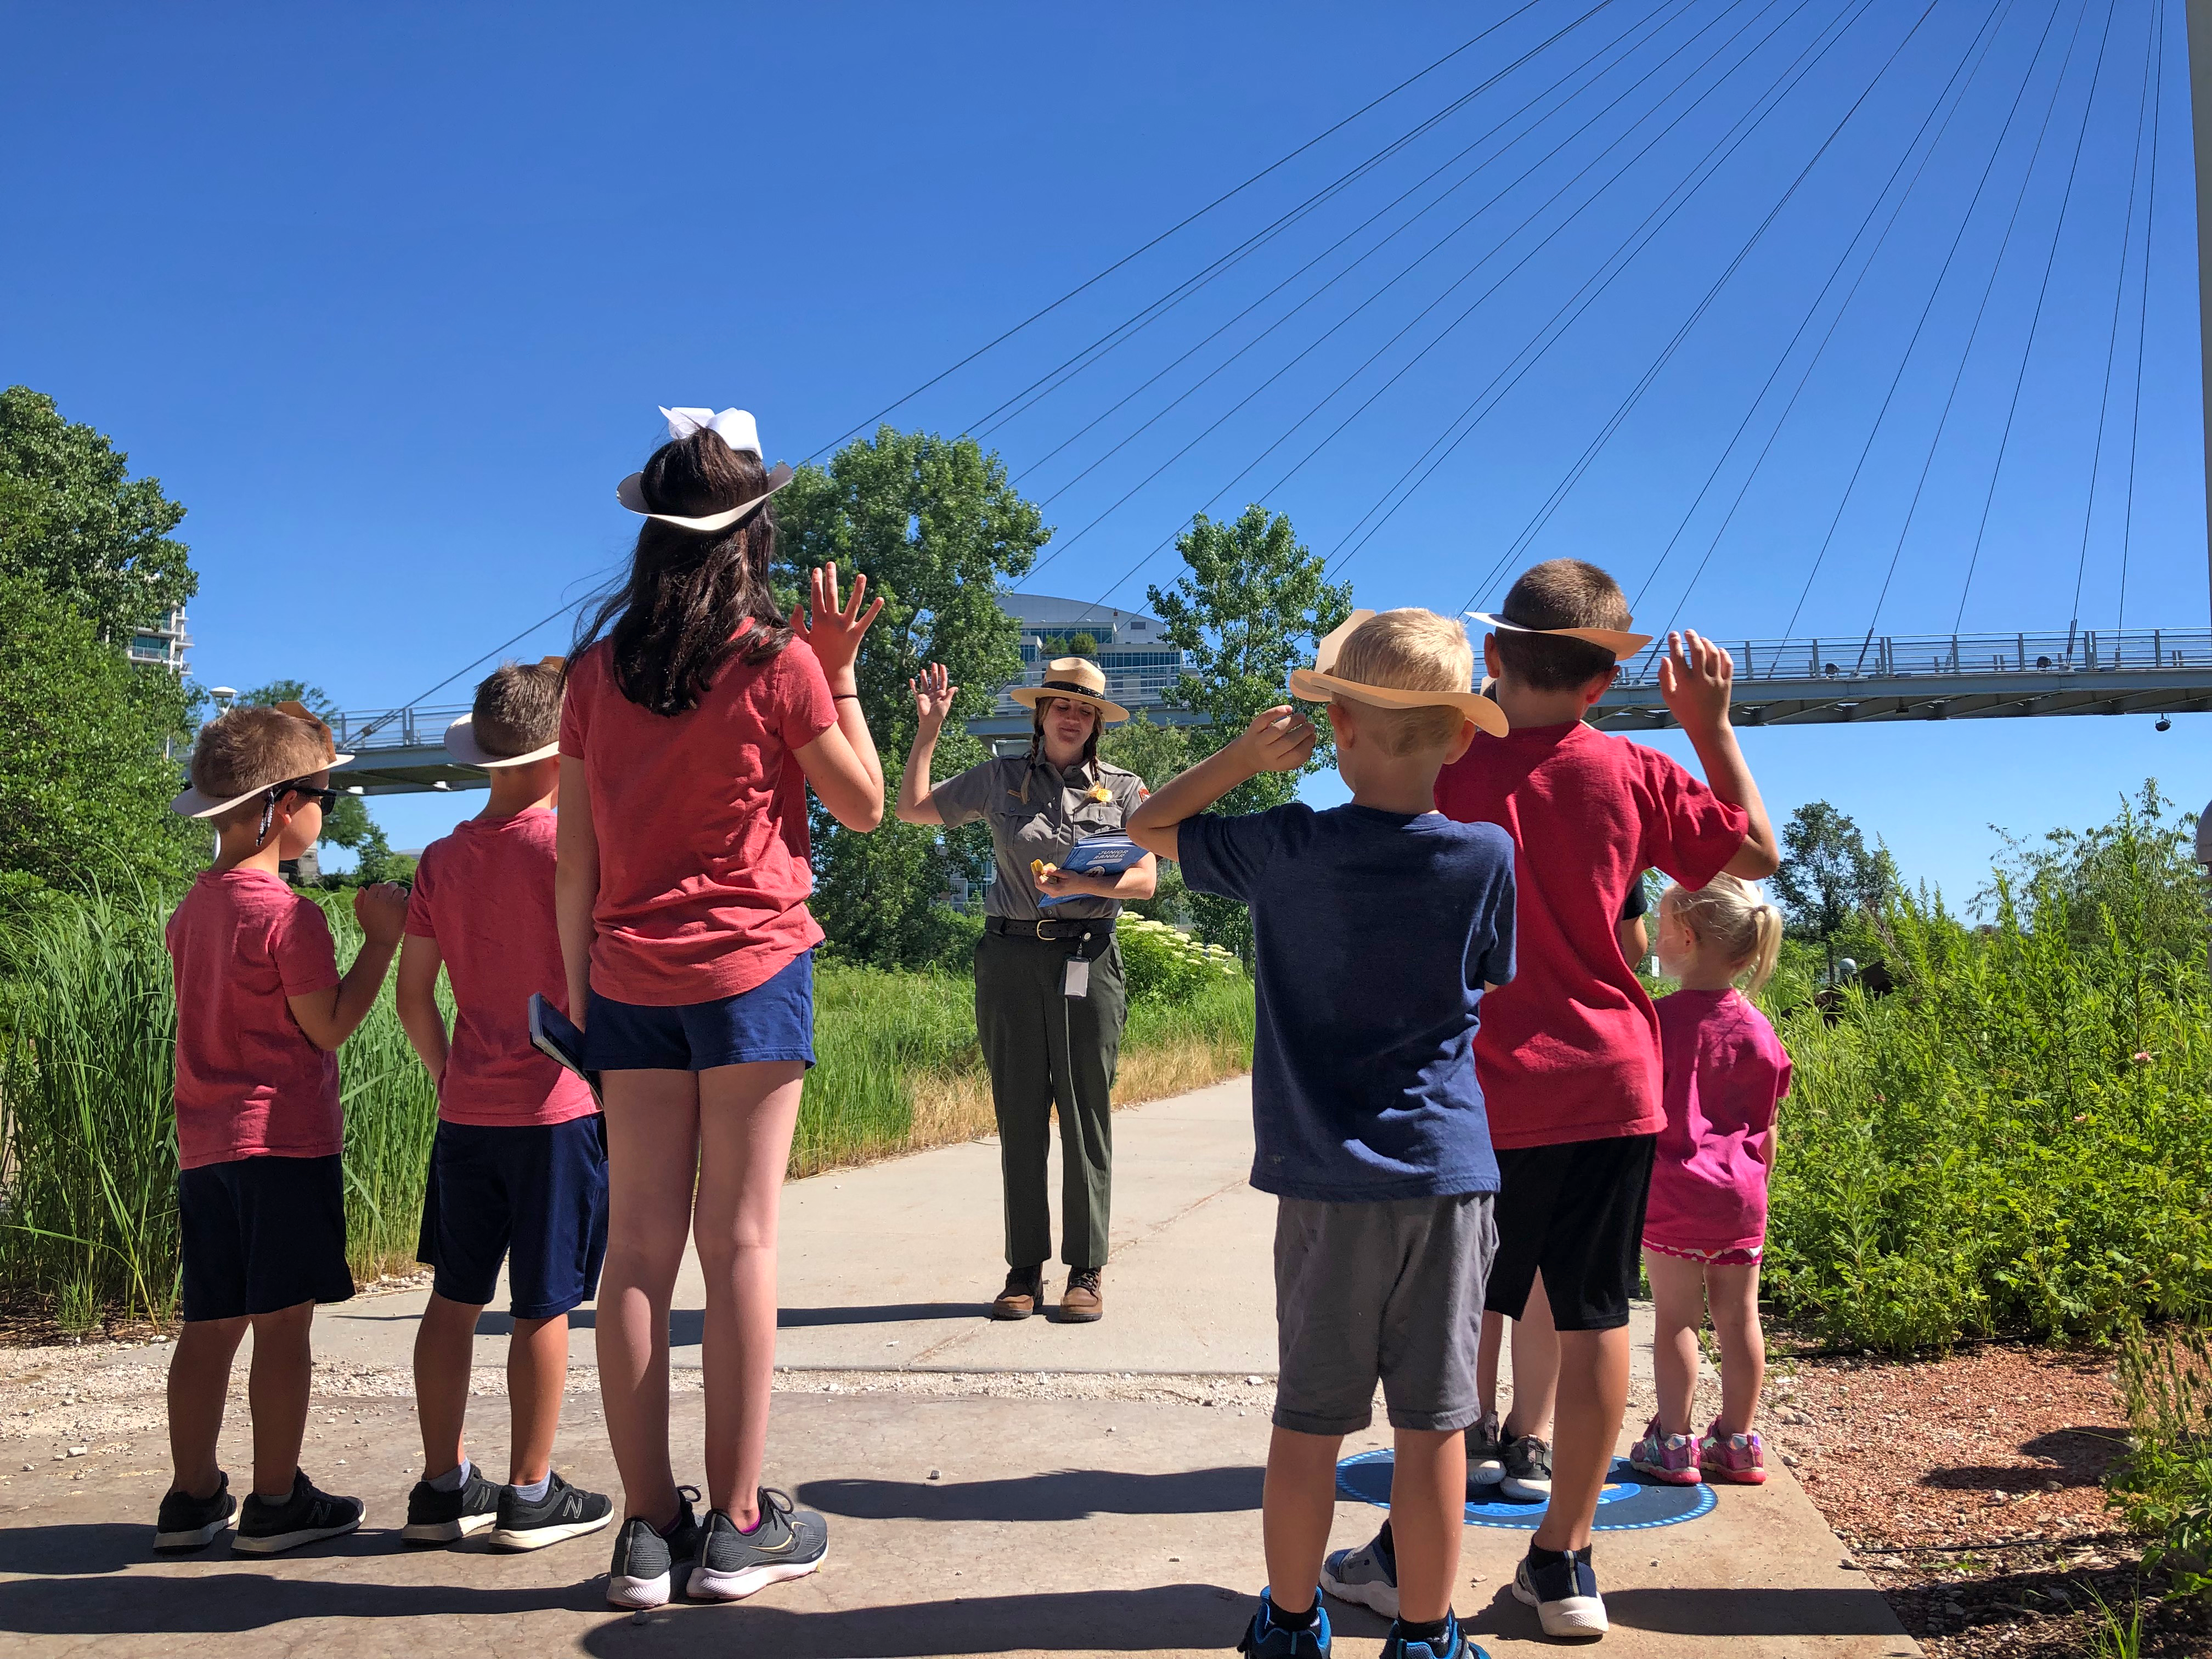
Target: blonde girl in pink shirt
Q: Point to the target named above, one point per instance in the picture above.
(1705, 1227)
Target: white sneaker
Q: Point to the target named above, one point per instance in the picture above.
(1564, 1592)
(1368, 1575)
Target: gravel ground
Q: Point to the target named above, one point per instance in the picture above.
(1969, 1487)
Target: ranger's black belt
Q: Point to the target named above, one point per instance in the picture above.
(1007, 926)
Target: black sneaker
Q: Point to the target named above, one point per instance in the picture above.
(565, 1511)
(187, 1522)
(1454, 1643)
(788, 1543)
(266, 1528)
(439, 1517)
(645, 1558)
(1562, 1586)
(1528, 1470)
(1486, 1459)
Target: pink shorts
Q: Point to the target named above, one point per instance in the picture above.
(1709, 1258)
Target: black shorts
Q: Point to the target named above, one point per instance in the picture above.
(532, 1195)
(1575, 1213)
(261, 1234)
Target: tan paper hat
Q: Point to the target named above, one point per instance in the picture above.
(461, 739)
(1318, 683)
(195, 804)
(1617, 641)
(1078, 678)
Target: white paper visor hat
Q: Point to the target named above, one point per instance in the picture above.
(734, 427)
(195, 803)
(1319, 684)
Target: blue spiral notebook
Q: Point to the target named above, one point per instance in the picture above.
(555, 1036)
(1108, 854)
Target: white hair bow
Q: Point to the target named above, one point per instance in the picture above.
(734, 427)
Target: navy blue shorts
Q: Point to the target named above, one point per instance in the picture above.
(534, 1194)
(261, 1234)
(775, 1020)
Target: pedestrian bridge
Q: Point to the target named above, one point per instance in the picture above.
(1827, 680)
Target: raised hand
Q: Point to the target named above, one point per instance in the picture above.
(1696, 681)
(1278, 739)
(832, 628)
(381, 910)
(932, 694)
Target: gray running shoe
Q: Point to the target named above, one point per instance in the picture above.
(564, 1512)
(646, 1558)
(1528, 1470)
(305, 1518)
(788, 1542)
(186, 1522)
(1368, 1575)
(1485, 1458)
(439, 1517)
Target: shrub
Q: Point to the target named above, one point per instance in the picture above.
(1162, 965)
(2163, 1486)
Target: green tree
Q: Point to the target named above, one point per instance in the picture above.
(1250, 604)
(86, 763)
(2140, 866)
(1828, 878)
(75, 522)
(347, 824)
(1083, 644)
(936, 527)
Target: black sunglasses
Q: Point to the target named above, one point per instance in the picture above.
(325, 798)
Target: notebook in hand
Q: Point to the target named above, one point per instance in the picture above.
(556, 1036)
(1108, 854)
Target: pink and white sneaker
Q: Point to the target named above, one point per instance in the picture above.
(1738, 1460)
(1671, 1458)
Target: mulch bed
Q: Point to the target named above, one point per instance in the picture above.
(1970, 1489)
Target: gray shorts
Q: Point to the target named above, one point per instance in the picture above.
(1389, 1292)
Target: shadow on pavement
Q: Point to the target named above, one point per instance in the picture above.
(1717, 1612)
(687, 1326)
(61, 1551)
(223, 1601)
(1061, 1495)
(1117, 1621)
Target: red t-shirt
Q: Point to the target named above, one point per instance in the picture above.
(485, 894)
(1569, 1049)
(249, 1084)
(1726, 1072)
(701, 824)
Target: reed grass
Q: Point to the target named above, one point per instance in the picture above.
(88, 1139)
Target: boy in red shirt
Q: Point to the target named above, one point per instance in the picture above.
(261, 1011)
(1568, 1052)
(518, 1170)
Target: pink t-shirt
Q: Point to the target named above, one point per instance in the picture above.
(1726, 1072)
(485, 894)
(1569, 1049)
(249, 1084)
(701, 824)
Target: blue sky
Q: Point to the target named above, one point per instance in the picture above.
(386, 297)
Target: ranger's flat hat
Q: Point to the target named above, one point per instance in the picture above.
(1321, 683)
(1621, 643)
(1077, 678)
(461, 742)
(196, 803)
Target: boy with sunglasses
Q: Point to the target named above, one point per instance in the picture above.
(261, 1009)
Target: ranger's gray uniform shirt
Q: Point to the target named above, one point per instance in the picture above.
(1035, 811)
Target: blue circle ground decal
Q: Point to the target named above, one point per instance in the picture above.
(1627, 1504)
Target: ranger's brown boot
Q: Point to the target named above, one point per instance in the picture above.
(1023, 1295)
(1084, 1300)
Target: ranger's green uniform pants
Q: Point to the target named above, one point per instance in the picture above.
(1045, 1047)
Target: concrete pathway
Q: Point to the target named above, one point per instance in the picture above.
(962, 1523)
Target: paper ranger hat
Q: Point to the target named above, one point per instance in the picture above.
(735, 427)
(462, 745)
(1620, 642)
(196, 803)
(1079, 680)
(1321, 683)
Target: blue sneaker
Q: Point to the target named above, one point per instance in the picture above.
(1454, 1643)
(1367, 1576)
(1562, 1586)
(1265, 1640)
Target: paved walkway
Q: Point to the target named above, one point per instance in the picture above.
(962, 1523)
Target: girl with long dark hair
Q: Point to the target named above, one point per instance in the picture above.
(697, 716)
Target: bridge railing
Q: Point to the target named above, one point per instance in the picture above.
(1896, 656)
(359, 731)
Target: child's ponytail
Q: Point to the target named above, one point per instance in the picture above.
(1735, 916)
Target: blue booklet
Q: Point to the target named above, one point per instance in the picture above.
(553, 1034)
(1108, 854)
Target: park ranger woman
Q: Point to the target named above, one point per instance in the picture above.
(1049, 1003)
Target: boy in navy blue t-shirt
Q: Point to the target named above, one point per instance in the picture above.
(1377, 926)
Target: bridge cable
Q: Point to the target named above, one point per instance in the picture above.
(1987, 36)
(2142, 317)
(2154, 18)
(2035, 318)
(1973, 333)
(1415, 218)
(1965, 220)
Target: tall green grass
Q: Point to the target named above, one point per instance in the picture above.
(88, 1142)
